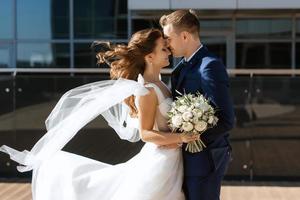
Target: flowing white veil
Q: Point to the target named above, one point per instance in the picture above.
(75, 109)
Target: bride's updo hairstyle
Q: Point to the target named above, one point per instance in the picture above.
(128, 61)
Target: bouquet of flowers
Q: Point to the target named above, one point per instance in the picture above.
(192, 114)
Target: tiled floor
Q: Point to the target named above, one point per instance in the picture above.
(21, 191)
(15, 191)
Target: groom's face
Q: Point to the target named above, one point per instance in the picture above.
(174, 40)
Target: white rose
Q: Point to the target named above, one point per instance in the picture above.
(204, 117)
(215, 121)
(210, 119)
(187, 116)
(195, 120)
(189, 109)
(177, 121)
(172, 110)
(201, 126)
(204, 107)
(182, 108)
(187, 126)
(197, 113)
(197, 105)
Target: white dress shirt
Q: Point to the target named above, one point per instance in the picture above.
(187, 60)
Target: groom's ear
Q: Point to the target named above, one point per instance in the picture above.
(184, 35)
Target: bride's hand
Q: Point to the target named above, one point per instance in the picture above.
(171, 146)
(186, 138)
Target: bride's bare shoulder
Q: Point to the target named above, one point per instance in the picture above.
(149, 99)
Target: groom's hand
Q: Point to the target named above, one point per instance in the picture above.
(171, 146)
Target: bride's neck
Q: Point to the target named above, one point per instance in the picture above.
(151, 75)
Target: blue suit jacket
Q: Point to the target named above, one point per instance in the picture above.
(207, 74)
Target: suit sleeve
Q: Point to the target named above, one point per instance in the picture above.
(215, 86)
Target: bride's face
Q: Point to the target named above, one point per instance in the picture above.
(160, 55)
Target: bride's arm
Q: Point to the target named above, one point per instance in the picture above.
(146, 113)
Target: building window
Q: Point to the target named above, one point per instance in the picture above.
(139, 24)
(214, 34)
(6, 19)
(263, 28)
(263, 55)
(298, 28)
(298, 44)
(84, 55)
(43, 55)
(47, 19)
(4, 57)
(216, 45)
(208, 25)
(264, 43)
(298, 55)
(95, 19)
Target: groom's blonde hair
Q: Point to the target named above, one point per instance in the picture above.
(182, 20)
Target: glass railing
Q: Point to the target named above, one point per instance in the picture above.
(265, 140)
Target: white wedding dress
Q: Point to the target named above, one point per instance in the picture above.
(153, 174)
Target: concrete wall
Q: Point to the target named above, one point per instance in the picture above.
(212, 4)
(149, 4)
(268, 4)
(203, 4)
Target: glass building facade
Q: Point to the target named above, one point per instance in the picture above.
(58, 33)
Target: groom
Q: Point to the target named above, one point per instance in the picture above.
(201, 71)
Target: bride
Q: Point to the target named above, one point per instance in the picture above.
(156, 173)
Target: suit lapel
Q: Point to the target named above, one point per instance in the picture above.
(175, 74)
(195, 60)
(181, 75)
